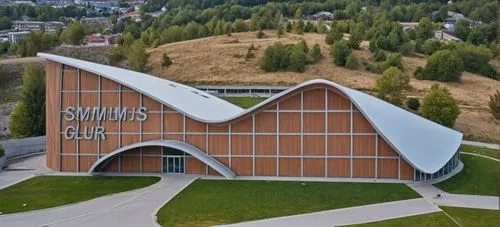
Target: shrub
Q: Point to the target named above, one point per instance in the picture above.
(413, 103)
(391, 84)
(430, 46)
(2, 151)
(298, 58)
(407, 48)
(284, 57)
(261, 34)
(443, 65)
(495, 104)
(439, 106)
(475, 59)
(379, 55)
(316, 53)
(339, 52)
(334, 35)
(394, 60)
(166, 61)
(351, 62)
(374, 68)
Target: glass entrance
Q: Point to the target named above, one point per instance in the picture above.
(173, 160)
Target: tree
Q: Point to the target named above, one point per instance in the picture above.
(128, 39)
(255, 22)
(298, 59)
(28, 117)
(288, 27)
(298, 27)
(279, 31)
(439, 106)
(339, 52)
(462, 29)
(413, 104)
(495, 104)
(191, 30)
(352, 62)
(335, 34)
(13, 49)
(5, 23)
(166, 62)
(394, 60)
(137, 56)
(240, 26)
(391, 85)
(443, 65)
(355, 37)
(321, 28)
(379, 55)
(315, 53)
(425, 29)
(73, 34)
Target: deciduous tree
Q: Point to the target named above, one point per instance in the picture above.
(439, 106)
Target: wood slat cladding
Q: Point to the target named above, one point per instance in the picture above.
(150, 125)
(151, 164)
(68, 146)
(218, 128)
(291, 103)
(70, 80)
(265, 145)
(384, 149)
(339, 167)
(339, 122)
(360, 124)
(128, 139)
(150, 137)
(242, 166)
(363, 145)
(339, 145)
(130, 99)
(195, 126)
(314, 167)
(52, 114)
(194, 166)
(113, 166)
(265, 166)
(199, 141)
(241, 144)
(152, 150)
(244, 125)
(88, 99)
(289, 145)
(387, 168)
(314, 122)
(87, 146)
(130, 126)
(406, 170)
(289, 167)
(337, 101)
(314, 145)
(289, 122)
(363, 167)
(68, 163)
(109, 85)
(265, 122)
(85, 162)
(130, 163)
(179, 137)
(88, 81)
(150, 104)
(314, 99)
(173, 122)
(218, 144)
(68, 99)
(110, 145)
(222, 160)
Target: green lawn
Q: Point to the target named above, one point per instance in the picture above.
(213, 202)
(473, 217)
(244, 102)
(465, 216)
(480, 176)
(51, 191)
(480, 150)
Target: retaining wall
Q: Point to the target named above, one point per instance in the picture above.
(20, 147)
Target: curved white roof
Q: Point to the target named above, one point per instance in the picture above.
(426, 145)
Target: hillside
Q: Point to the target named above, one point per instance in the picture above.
(221, 60)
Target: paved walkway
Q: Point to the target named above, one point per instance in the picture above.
(429, 192)
(134, 208)
(348, 216)
(22, 169)
(481, 144)
(480, 155)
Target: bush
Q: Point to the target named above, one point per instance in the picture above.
(495, 104)
(284, 57)
(379, 56)
(351, 62)
(339, 52)
(413, 103)
(391, 84)
(261, 34)
(394, 60)
(439, 106)
(430, 46)
(334, 35)
(166, 61)
(298, 58)
(316, 53)
(443, 65)
(475, 59)
(2, 151)
(407, 48)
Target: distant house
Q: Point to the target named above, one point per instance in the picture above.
(453, 17)
(15, 37)
(100, 40)
(408, 25)
(97, 22)
(323, 14)
(47, 26)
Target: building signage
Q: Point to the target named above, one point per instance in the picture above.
(94, 114)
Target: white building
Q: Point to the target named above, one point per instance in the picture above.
(15, 37)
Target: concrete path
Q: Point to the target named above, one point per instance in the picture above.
(134, 208)
(481, 144)
(22, 169)
(480, 155)
(348, 216)
(429, 192)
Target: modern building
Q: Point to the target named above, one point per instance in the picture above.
(106, 119)
(47, 26)
(15, 37)
(99, 40)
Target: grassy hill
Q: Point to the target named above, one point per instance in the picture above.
(221, 60)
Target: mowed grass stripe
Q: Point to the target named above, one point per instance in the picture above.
(213, 202)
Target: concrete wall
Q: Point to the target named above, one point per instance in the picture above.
(19, 147)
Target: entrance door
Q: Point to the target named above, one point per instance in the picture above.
(173, 164)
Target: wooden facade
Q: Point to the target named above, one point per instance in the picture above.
(312, 132)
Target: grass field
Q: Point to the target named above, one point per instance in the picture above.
(464, 216)
(480, 176)
(51, 191)
(244, 102)
(212, 202)
(480, 150)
